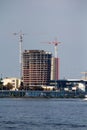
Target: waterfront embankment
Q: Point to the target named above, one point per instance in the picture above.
(41, 94)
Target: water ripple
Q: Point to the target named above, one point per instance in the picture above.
(43, 115)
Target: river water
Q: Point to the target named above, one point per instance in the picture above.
(43, 114)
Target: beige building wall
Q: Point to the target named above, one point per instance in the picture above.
(53, 69)
(14, 81)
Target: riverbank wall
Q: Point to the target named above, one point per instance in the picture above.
(41, 94)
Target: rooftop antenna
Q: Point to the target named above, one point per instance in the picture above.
(20, 37)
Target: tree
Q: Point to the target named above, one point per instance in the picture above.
(1, 84)
(9, 86)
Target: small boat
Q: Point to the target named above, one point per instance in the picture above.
(85, 98)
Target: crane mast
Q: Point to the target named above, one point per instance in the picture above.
(56, 59)
(85, 74)
(20, 37)
(56, 43)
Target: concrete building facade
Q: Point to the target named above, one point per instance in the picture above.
(15, 82)
(55, 68)
(36, 67)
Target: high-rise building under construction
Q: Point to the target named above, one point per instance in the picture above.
(36, 67)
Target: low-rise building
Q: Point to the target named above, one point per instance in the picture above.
(70, 84)
(48, 87)
(15, 82)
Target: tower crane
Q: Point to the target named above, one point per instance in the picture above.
(85, 73)
(20, 37)
(55, 43)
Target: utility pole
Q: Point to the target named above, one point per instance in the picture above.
(20, 37)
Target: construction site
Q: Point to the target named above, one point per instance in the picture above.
(39, 70)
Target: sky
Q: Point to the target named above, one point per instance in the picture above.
(43, 21)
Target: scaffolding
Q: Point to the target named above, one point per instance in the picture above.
(36, 67)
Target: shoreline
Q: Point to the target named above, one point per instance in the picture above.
(40, 94)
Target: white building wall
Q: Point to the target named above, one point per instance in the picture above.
(14, 81)
(53, 69)
(81, 86)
